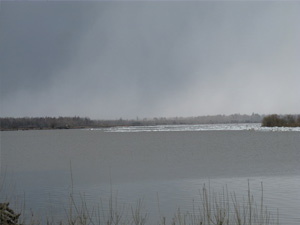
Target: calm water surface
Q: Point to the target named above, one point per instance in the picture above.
(163, 168)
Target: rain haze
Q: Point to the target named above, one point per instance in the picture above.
(107, 60)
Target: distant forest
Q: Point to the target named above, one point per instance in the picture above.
(40, 123)
(29, 123)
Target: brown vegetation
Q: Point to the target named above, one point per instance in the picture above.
(214, 209)
(275, 120)
(7, 215)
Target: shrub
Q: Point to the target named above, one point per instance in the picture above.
(275, 120)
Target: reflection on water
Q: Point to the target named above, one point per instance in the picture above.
(165, 168)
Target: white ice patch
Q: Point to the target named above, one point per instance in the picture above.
(200, 127)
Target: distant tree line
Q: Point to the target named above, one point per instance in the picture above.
(29, 123)
(209, 119)
(275, 120)
(44, 123)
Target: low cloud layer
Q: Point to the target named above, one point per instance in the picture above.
(108, 60)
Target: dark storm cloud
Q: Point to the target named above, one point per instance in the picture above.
(127, 59)
(37, 40)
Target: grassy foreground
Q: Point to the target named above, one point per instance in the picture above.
(214, 209)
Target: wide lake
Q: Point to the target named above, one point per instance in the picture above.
(165, 166)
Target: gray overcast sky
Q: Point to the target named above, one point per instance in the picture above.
(107, 60)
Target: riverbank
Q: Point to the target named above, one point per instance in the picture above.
(50, 123)
(43, 123)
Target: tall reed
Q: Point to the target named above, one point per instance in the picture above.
(215, 208)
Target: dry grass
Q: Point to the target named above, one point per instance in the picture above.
(222, 208)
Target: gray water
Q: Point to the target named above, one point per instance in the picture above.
(163, 168)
